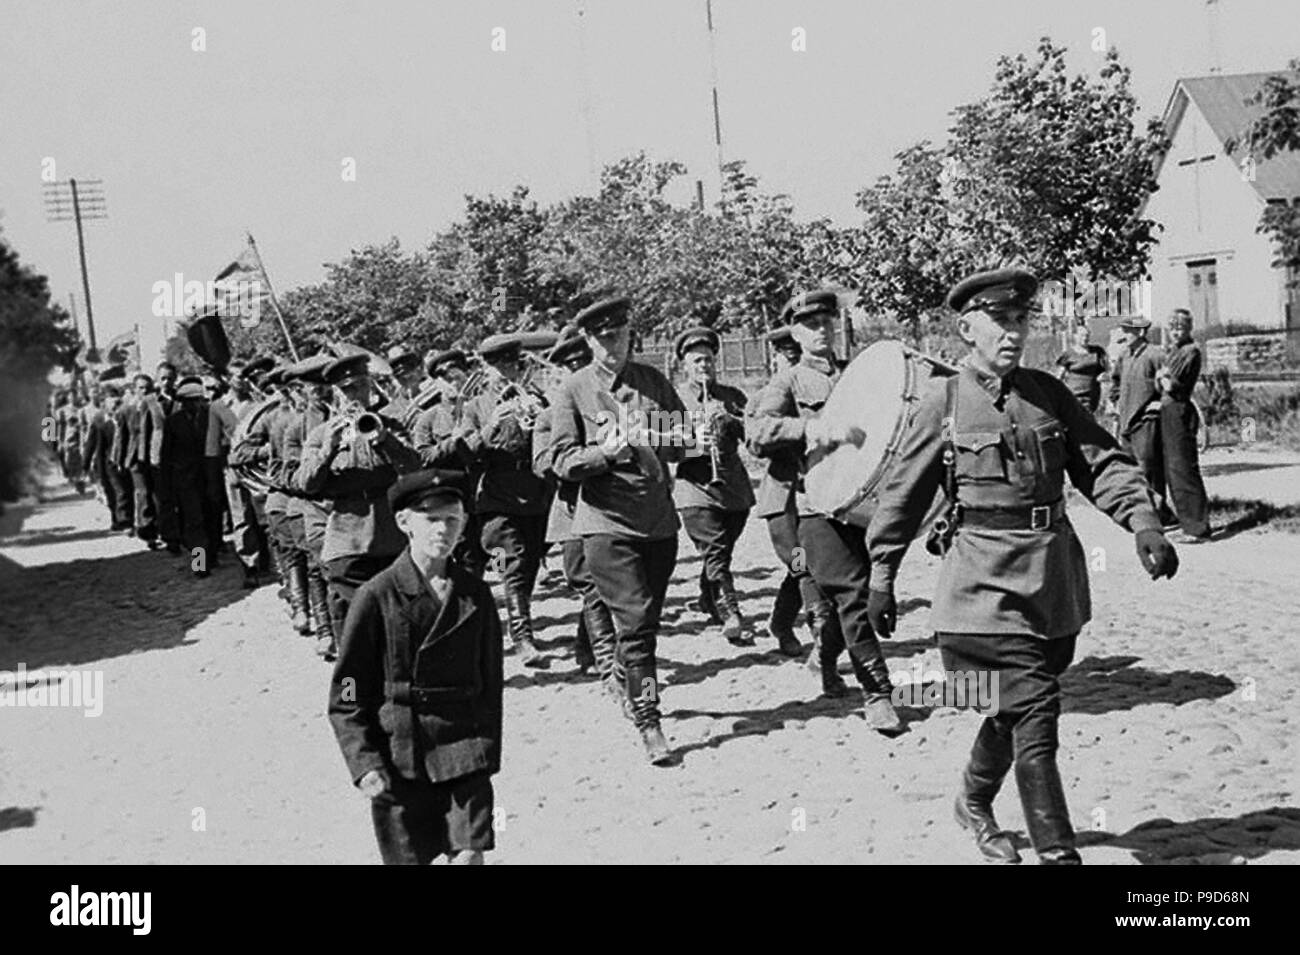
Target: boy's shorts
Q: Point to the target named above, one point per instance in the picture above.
(416, 820)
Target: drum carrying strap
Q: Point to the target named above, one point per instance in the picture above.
(939, 540)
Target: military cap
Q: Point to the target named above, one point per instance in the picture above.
(400, 358)
(310, 370)
(1180, 316)
(1135, 321)
(190, 380)
(415, 486)
(783, 339)
(697, 335)
(605, 314)
(570, 344)
(499, 348)
(994, 291)
(112, 386)
(190, 388)
(142, 376)
(436, 360)
(343, 369)
(808, 304)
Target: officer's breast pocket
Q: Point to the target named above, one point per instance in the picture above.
(1051, 446)
(979, 456)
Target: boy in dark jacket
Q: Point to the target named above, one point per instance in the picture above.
(415, 699)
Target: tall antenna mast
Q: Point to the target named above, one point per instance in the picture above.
(584, 81)
(1212, 16)
(713, 78)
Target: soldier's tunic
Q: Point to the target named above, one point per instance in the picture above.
(1178, 441)
(1013, 589)
(836, 552)
(361, 536)
(416, 696)
(624, 514)
(1137, 398)
(714, 514)
(247, 507)
(441, 445)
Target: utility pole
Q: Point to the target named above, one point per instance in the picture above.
(77, 201)
(713, 76)
(1212, 15)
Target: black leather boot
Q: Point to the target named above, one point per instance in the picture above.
(873, 677)
(785, 611)
(990, 758)
(601, 636)
(297, 585)
(322, 623)
(1046, 814)
(734, 629)
(582, 653)
(643, 700)
(519, 614)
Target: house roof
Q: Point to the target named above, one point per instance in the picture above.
(1222, 101)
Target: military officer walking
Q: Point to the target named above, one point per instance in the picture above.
(1013, 587)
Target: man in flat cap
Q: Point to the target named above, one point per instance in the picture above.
(785, 424)
(1013, 587)
(1135, 393)
(712, 490)
(416, 695)
(616, 426)
(1177, 379)
(351, 460)
(596, 639)
(510, 501)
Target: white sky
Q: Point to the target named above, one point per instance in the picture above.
(194, 148)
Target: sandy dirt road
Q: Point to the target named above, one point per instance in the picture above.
(1178, 739)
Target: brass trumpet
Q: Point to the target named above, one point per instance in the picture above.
(710, 411)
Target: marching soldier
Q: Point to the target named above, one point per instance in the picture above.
(308, 517)
(511, 501)
(247, 506)
(416, 696)
(352, 460)
(785, 423)
(625, 514)
(775, 504)
(1135, 392)
(712, 490)
(596, 637)
(1178, 430)
(1013, 588)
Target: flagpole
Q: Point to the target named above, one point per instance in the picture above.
(270, 292)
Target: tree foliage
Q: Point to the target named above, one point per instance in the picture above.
(1275, 131)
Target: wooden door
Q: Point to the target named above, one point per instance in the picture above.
(1203, 292)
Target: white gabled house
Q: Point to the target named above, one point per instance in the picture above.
(1209, 258)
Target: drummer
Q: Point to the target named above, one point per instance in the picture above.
(785, 421)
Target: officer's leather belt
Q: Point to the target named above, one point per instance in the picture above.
(1038, 518)
(418, 696)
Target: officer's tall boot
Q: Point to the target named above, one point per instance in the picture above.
(322, 623)
(990, 758)
(828, 639)
(519, 614)
(604, 647)
(297, 583)
(643, 700)
(873, 676)
(734, 628)
(706, 603)
(785, 611)
(1046, 815)
(582, 654)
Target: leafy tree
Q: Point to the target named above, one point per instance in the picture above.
(1277, 130)
(36, 336)
(1048, 170)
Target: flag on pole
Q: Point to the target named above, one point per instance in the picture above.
(240, 287)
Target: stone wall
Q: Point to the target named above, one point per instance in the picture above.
(1248, 353)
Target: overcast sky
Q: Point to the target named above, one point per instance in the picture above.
(196, 147)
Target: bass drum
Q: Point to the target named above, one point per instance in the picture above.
(878, 392)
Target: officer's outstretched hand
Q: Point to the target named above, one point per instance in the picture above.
(1158, 556)
(882, 611)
